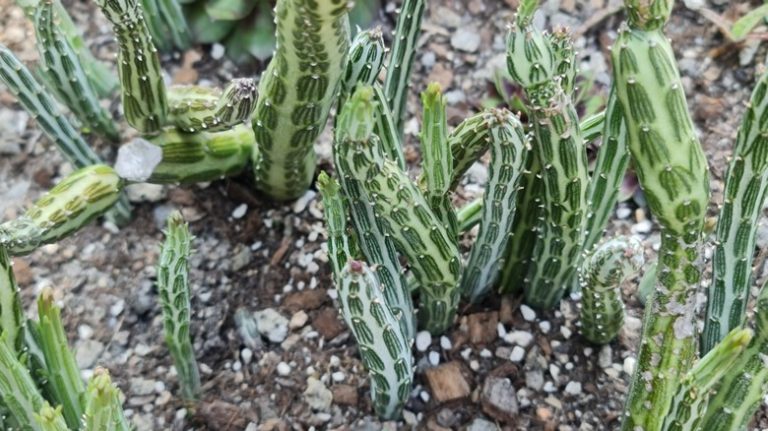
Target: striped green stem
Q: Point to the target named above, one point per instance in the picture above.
(375, 241)
(673, 173)
(397, 82)
(196, 109)
(509, 149)
(65, 209)
(470, 215)
(385, 350)
(693, 396)
(746, 188)
(173, 290)
(167, 25)
(67, 78)
(335, 216)
(740, 392)
(11, 312)
(386, 128)
(436, 159)
(296, 93)
(364, 63)
(103, 409)
(141, 81)
(175, 157)
(603, 271)
(17, 389)
(610, 168)
(61, 369)
(50, 419)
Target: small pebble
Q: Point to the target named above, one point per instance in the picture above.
(629, 364)
(338, 376)
(573, 388)
(240, 211)
(423, 341)
(528, 314)
(246, 355)
(474, 365)
(565, 332)
(217, 51)
(434, 358)
(517, 355)
(283, 369)
(445, 343)
(545, 326)
(521, 338)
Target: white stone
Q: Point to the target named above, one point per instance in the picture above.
(423, 341)
(246, 355)
(217, 51)
(445, 343)
(137, 160)
(272, 324)
(434, 358)
(338, 376)
(629, 365)
(573, 388)
(283, 369)
(521, 338)
(517, 355)
(240, 211)
(528, 314)
(466, 39)
(545, 326)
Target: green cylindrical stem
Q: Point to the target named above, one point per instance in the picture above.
(65, 209)
(50, 419)
(11, 311)
(103, 411)
(385, 350)
(610, 168)
(673, 173)
(17, 389)
(397, 82)
(296, 93)
(740, 392)
(386, 128)
(746, 188)
(603, 271)
(173, 290)
(509, 149)
(364, 63)
(66, 76)
(62, 370)
(167, 25)
(141, 81)
(198, 109)
(335, 216)
(693, 395)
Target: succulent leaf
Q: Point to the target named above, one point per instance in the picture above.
(11, 312)
(173, 290)
(193, 109)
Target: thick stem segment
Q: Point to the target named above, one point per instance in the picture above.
(103, 410)
(11, 311)
(385, 350)
(50, 419)
(195, 109)
(67, 78)
(509, 149)
(740, 392)
(17, 389)
(167, 25)
(141, 81)
(400, 63)
(692, 398)
(296, 93)
(65, 209)
(61, 368)
(603, 271)
(746, 188)
(173, 290)
(673, 173)
(366, 58)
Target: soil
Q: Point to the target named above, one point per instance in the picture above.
(270, 255)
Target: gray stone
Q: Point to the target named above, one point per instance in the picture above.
(534, 379)
(317, 395)
(479, 424)
(272, 325)
(466, 39)
(498, 399)
(88, 352)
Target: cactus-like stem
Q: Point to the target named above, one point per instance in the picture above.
(469, 215)
(173, 289)
(565, 59)
(50, 419)
(648, 15)
(65, 209)
(195, 109)
(746, 188)
(141, 82)
(103, 410)
(437, 160)
(11, 313)
(385, 350)
(509, 149)
(296, 93)
(174, 157)
(533, 60)
(17, 389)
(468, 141)
(603, 271)
(66, 75)
(673, 173)
(335, 217)
(693, 395)
(386, 128)
(524, 228)
(397, 82)
(740, 392)
(610, 168)
(375, 242)
(35, 100)
(61, 368)
(167, 25)
(364, 63)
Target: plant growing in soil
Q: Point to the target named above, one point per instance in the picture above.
(173, 289)
(40, 383)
